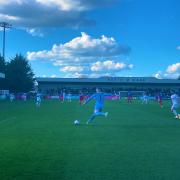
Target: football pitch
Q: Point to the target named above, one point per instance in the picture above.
(135, 142)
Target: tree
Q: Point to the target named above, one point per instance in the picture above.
(2, 64)
(19, 75)
(2, 70)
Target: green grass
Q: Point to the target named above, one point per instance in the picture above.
(135, 142)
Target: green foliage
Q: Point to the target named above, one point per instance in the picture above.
(2, 64)
(2, 70)
(19, 75)
(135, 142)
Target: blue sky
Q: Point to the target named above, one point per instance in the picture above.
(92, 38)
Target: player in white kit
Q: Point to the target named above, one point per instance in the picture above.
(11, 97)
(38, 100)
(69, 97)
(145, 98)
(175, 105)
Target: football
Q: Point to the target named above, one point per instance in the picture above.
(76, 122)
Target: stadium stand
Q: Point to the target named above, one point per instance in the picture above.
(151, 85)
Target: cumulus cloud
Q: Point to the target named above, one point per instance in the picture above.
(173, 68)
(80, 48)
(66, 5)
(172, 72)
(8, 17)
(35, 32)
(54, 76)
(110, 65)
(86, 75)
(86, 54)
(158, 75)
(178, 47)
(72, 69)
(49, 13)
(2, 2)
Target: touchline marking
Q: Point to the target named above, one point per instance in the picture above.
(7, 119)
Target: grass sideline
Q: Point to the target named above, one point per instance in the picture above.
(135, 142)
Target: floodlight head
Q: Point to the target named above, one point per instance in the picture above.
(5, 25)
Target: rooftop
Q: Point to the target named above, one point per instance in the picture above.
(111, 80)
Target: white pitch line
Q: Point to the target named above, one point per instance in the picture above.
(7, 119)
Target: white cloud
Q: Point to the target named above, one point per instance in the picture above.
(39, 55)
(109, 66)
(8, 17)
(5, 2)
(80, 48)
(158, 75)
(49, 13)
(35, 32)
(76, 5)
(173, 68)
(77, 75)
(71, 69)
(54, 76)
(65, 5)
(86, 54)
(172, 72)
(86, 75)
(178, 47)
(171, 76)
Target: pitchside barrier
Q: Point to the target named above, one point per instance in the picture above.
(75, 97)
(4, 94)
(123, 94)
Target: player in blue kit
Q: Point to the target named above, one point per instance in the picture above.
(99, 98)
